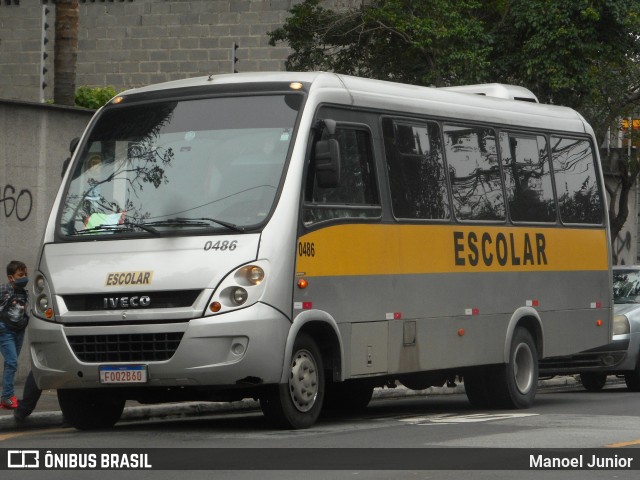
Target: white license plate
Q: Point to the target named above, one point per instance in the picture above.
(123, 374)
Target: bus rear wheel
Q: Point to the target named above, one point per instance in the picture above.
(514, 385)
(297, 403)
(90, 409)
(476, 386)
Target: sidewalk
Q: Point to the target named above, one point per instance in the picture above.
(47, 412)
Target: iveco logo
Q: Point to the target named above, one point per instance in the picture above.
(127, 302)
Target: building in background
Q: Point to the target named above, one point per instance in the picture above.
(131, 43)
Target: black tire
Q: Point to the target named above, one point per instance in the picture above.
(593, 381)
(90, 409)
(297, 403)
(349, 396)
(514, 385)
(632, 379)
(476, 386)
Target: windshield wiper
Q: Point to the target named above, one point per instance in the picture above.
(143, 227)
(121, 227)
(191, 222)
(230, 226)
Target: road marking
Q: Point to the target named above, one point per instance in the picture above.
(452, 419)
(9, 436)
(623, 444)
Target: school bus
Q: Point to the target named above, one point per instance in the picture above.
(303, 238)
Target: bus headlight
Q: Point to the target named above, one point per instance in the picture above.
(241, 288)
(255, 274)
(620, 325)
(42, 307)
(239, 296)
(39, 284)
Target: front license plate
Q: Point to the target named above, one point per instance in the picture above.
(123, 374)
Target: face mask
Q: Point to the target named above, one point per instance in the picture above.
(21, 282)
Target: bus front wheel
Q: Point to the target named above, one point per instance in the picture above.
(90, 409)
(350, 396)
(297, 403)
(515, 384)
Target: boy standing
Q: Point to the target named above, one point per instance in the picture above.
(14, 313)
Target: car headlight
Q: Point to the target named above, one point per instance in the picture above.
(620, 325)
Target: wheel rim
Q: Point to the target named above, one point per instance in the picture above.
(523, 367)
(303, 381)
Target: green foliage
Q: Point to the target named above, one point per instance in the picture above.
(580, 53)
(584, 54)
(423, 42)
(94, 98)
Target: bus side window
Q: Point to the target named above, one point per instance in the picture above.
(576, 181)
(416, 170)
(525, 164)
(357, 195)
(476, 184)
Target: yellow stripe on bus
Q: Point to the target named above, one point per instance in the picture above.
(412, 249)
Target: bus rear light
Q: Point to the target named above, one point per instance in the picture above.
(461, 332)
(599, 322)
(302, 283)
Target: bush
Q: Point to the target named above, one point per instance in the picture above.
(94, 98)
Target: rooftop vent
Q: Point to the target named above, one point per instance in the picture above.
(499, 90)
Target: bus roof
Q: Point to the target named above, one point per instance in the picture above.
(493, 103)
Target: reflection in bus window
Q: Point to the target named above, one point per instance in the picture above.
(147, 163)
(474, 172)
(574, 171)
(357, 195)
(416, 170)
(525, 163)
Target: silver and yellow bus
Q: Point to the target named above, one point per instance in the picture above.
(303, 238)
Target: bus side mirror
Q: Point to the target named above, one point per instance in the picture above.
(327, 158)
(72, 148)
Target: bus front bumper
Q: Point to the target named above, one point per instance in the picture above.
(244, 347)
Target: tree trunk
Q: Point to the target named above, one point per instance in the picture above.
(65, 51)
(627, 172)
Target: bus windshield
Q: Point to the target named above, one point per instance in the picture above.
(180, 165)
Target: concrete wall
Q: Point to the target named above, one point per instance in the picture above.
(131, 43)
(34, 142)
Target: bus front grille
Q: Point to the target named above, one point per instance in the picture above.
(135, 347)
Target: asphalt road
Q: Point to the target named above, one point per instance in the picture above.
(435, 428)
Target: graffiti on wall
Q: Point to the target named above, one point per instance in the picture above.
(16, 203)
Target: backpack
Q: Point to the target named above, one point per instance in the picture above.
(14, 312)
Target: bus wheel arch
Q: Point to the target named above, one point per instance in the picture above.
(528, 319)
(514, 383)
(313, 352)
(323, 329)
